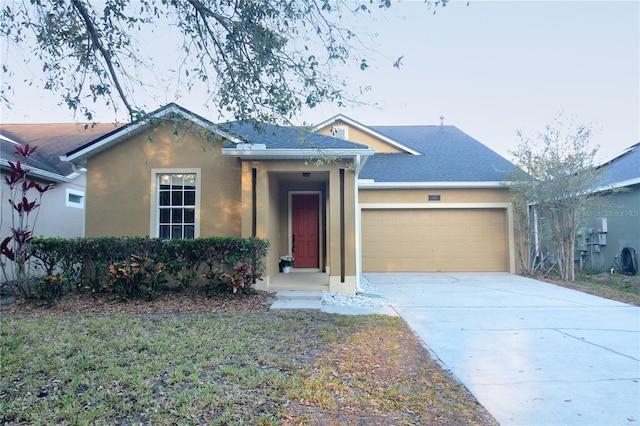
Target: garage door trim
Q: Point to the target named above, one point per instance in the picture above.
(438, 205)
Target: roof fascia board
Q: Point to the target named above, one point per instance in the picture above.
(107, 142)
(137, 127)
(625, 152)
(5, 138)
(368, 184)
(366, 129)
(43, 174)
(621, 184)
(277, 154)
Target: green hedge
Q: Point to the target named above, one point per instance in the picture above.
(85, 262)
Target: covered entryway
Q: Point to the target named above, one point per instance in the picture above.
(435, 240)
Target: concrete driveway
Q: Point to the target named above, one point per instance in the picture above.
(532, 353)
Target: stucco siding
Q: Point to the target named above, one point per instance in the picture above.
(119, 198)
(499, 195)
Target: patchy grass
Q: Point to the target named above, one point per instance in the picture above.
(623, 288)
(257, 368)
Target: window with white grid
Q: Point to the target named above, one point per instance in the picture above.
(176, 205)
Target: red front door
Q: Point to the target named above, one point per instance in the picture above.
(305, 229)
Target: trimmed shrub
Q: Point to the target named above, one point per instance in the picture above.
(137, 278)
(127, 266)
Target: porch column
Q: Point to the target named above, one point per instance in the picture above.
(255, 197)
(340, 232)
(262, 202)
(247, 200)
(255, 212)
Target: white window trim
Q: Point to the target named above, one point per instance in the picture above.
(154, 226)
(69, 203)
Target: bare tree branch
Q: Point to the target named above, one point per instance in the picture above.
(106, 54)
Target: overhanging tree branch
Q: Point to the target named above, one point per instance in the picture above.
(106, 54)
(267, 59)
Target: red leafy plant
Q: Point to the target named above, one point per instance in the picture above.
(241, 276)
(15, 254)
(139, 277)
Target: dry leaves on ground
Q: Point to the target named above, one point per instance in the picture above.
(185, 302)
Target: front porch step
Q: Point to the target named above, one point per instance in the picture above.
(298, 300)
(298, 295)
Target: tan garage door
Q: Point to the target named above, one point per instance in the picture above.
(434, 240)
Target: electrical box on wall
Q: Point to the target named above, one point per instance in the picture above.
(581, 239)
(602, 239)
(601, 225)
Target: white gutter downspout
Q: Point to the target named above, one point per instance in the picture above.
(78, 170)
(358, 244)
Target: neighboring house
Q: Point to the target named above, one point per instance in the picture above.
(616, 224)
(343, 200)
(62, 211)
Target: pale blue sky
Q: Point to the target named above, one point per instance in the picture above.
(490, 68)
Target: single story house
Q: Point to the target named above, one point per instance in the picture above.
(342, 198)
(614, 225)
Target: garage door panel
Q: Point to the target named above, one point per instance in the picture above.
(442, 240)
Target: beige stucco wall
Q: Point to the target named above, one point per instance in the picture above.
(464, 195)
(119, 183)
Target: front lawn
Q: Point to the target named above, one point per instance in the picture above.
(223, 368)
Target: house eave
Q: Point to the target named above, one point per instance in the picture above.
(368, 130)
(621, 184)
(294, 154)
(80, 157)
(42, 174)
(371, 184)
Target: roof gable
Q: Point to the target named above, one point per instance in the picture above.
(171, 111)
(268, 141)
(279, 137)
(368, 135)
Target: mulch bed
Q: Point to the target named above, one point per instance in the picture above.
(189, 301)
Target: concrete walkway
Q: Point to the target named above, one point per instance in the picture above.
(312, 300)
(532, 353)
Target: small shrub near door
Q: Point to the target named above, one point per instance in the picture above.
(241, 277)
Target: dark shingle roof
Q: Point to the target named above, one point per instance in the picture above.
(279, 137)
(52, 140)
(449, 155)
(624, 167)
(36, 160)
